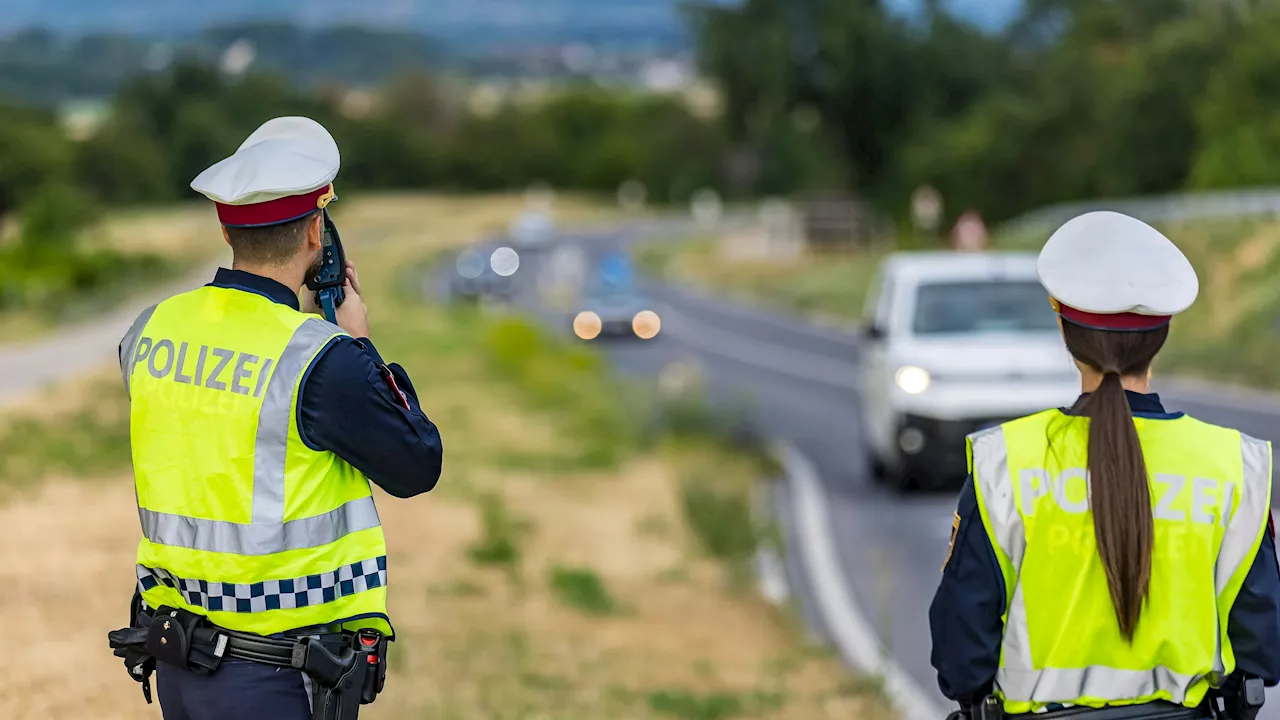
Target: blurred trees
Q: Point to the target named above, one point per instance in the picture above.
(418, 132)
(1077, 99)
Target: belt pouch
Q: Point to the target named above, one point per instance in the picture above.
(169, 637)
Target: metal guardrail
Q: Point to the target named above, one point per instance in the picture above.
(1223, 204)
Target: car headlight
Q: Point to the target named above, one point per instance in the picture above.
(587, 325)
(646, 324)
(911, 379)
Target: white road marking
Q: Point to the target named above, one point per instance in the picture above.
(850, 629)
(795, 363)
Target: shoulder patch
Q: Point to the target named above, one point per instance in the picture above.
(955, 529)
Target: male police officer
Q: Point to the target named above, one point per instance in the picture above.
(256, 428)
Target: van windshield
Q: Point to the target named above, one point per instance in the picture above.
(982, 306)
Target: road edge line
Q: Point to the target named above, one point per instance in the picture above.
(847, 624)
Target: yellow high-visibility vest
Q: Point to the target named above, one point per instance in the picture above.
(1211, 498)
(242, 521)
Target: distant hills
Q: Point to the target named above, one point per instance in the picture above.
(453, 22)
(52, 50)
(476, 23)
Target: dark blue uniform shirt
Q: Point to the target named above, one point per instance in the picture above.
(965, 616)
(358, 407)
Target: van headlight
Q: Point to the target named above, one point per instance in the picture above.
(913, 380)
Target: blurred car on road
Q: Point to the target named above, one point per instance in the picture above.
(475, 278)
(613, 306)
(615, 313)
(956, 342)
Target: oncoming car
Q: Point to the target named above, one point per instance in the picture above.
(484, 276)
(956, 342)
(615, 312)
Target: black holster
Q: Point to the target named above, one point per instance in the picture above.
(345, 680)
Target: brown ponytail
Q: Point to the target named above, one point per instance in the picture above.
(1119, 490)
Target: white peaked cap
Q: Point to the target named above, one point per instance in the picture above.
(1107, 263)
(271, 177)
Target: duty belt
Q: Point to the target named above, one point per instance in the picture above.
(348, 669)
(1239, 699)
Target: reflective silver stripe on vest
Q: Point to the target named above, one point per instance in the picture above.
(272, 444)
(129, 345)
(1017, 678)
(268, 532)
(991, 474)
(240, 539)
(1097, 681)
(1250, 513)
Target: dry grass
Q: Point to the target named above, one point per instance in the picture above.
(69, 580)
(670, 638)
(492, 646)
(473, 643)
(188, 230)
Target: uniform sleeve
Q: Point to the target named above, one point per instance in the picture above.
(1254, 622)
(367, 413)
(965, 617)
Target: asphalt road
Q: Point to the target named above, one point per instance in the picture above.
(802, 381)
(81, 348)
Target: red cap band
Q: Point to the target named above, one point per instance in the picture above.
(1116, 321)
(273, 212)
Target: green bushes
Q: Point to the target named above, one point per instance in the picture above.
(720, 517)
(583, 590)
(53, 268)
(571, 382)
(87, 441)
(568, 381)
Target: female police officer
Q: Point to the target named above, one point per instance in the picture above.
(1112, 553)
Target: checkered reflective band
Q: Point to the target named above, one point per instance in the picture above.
(271, 594)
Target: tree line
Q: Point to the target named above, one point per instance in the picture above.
(418, 131)
(1077, 99)
(161, 129)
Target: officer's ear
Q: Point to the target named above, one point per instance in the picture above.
(313, 232)
(226, 236)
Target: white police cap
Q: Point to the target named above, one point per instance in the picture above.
(1110, 271)
(281, 172)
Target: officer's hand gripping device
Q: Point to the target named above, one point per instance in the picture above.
(329, 279)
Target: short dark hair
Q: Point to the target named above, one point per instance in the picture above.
(270, 245)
